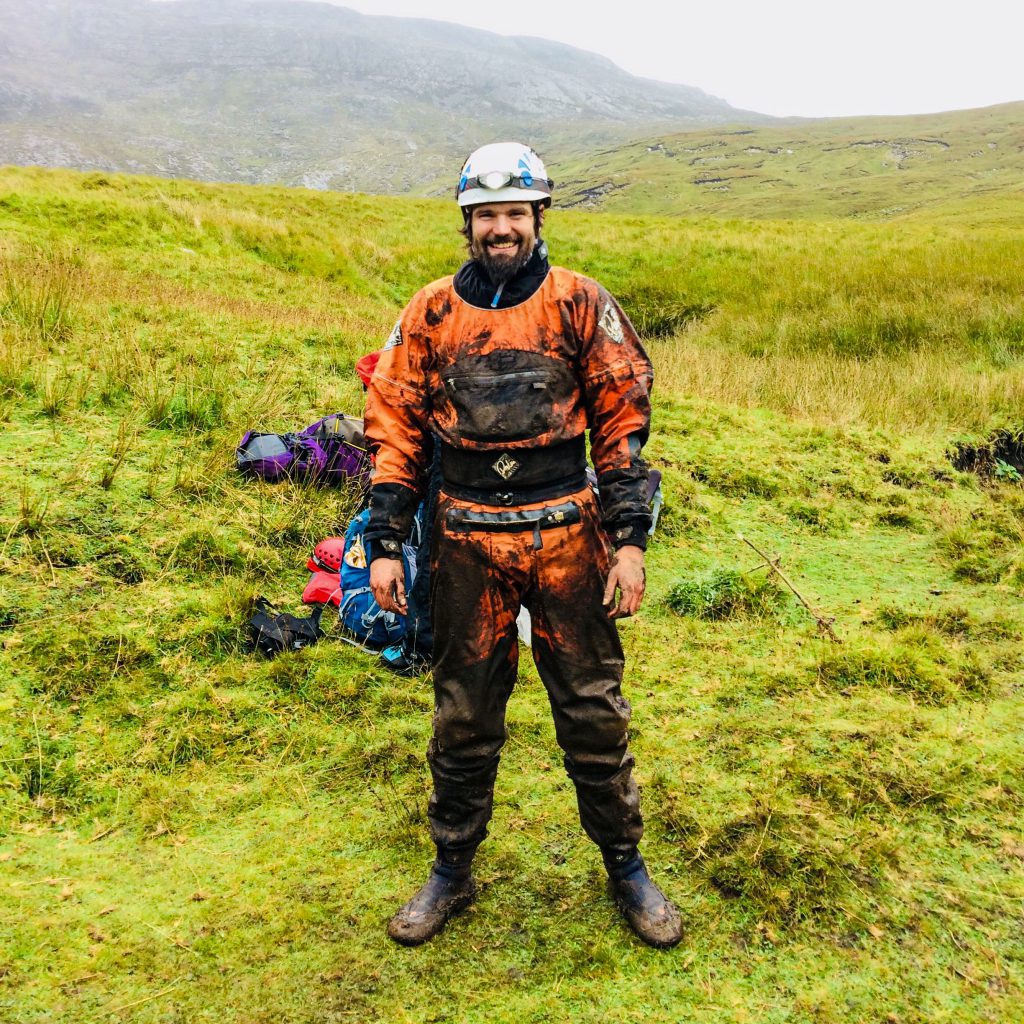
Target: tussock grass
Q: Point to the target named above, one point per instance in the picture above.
(931, 389)
(914, 663)
(40, 294)
(44, 769)
(659, 312)
(16, 360)
(725, 593)
(32, 508)
(956, 621)
(57, 390)
(788, 864)
(117, 455)
(986, 545)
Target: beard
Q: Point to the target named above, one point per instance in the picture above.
(504, 266)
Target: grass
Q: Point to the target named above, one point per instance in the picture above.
(191, 833)
(889, 168)
(39, 295)
(724, 593)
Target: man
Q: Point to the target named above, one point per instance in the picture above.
(507, 365)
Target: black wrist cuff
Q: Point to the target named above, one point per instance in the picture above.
(629, 533)
(392, 510)
(384, 547)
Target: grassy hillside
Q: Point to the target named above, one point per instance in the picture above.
(849, 167)
(189, 833)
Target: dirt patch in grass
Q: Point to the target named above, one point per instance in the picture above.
(1000, 456)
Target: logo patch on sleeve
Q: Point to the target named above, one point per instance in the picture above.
(395, 338)
(611, 324)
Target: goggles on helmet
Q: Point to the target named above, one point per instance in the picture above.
(493, 180)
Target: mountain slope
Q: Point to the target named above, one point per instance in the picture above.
(300, 93)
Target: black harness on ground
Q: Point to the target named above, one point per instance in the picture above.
(271, 634)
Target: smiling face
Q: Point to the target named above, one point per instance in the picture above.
(502, 237)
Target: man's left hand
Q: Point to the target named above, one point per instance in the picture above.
(627, 575)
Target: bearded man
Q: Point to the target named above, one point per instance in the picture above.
(509, 364)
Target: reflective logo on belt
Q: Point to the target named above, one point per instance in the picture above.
(505, 466)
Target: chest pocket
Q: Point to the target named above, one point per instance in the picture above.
(510, 406)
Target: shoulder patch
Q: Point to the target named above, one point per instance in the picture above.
(395, 337)
(611, 324)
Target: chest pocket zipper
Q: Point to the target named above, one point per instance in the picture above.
(536, 378)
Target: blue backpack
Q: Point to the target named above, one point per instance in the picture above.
(359, 612)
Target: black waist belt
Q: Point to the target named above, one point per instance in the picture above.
(518, 521)
(515, 476)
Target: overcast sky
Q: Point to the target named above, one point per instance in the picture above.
(808, 57)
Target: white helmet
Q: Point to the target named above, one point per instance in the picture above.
(503, 172)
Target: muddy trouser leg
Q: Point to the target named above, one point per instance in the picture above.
(579, 658)
(473, 609)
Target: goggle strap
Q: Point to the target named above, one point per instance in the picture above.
(540, 184)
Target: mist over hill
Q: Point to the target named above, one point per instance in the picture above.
(300, 93)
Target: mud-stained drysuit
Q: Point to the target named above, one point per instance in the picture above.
(509, 394)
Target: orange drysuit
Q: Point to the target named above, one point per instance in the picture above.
(509, 394)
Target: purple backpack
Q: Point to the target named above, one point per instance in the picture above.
(332, 450)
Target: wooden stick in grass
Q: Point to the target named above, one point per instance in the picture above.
(824, 622)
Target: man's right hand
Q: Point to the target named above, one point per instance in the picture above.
(387, 581)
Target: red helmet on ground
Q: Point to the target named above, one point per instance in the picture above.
(327, 555)
(324, 586)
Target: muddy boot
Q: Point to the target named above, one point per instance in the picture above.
(446, 892)
(643, 904)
